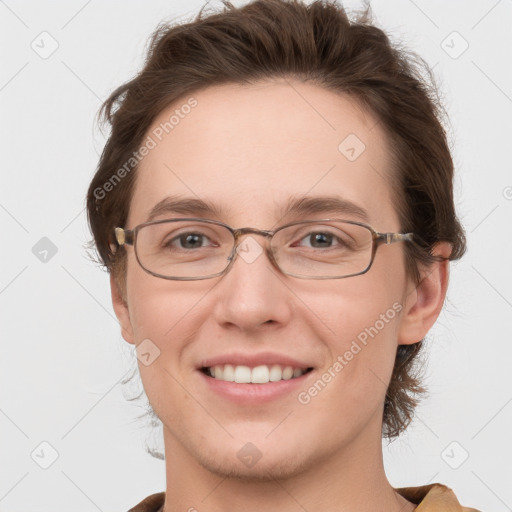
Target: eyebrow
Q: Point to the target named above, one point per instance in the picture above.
(185, 206)
(294, 207)
(307, 206)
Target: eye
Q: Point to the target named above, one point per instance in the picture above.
(321, 239)
(187, 240)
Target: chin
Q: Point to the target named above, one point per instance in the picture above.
(263, 461)
(269, 470)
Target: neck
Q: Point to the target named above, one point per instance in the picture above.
(352, 478)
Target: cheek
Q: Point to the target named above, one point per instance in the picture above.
(350, 389)
(360, 317)
(359, 307)
(156, 305)
(365, 339)
(164, 318)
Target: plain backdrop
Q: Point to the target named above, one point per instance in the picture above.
(70, 439)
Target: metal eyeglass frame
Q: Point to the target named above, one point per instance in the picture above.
(129, 237)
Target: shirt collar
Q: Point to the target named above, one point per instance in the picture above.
(433, 497)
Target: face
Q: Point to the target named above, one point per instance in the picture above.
(249, 151)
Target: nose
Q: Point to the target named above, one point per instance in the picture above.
(252, 293)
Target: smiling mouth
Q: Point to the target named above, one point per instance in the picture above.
(261, 374)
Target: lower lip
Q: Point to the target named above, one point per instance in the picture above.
(255, 393)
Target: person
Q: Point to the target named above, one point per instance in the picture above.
(275, 207)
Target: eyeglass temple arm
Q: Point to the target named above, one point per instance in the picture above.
(391, 238)
(124, 236)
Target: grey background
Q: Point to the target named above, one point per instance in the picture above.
(62, 356)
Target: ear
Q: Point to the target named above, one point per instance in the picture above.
(424, 303)
(121, 310)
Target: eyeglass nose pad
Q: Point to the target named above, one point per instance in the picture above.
(267, 250)
(234, 251)
(270, 256)
(231, 257)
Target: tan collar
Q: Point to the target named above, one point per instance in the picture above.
(433, 497)
(429, 498)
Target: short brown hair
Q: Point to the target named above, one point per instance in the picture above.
(319, 43)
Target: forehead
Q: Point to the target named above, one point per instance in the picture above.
(248, 150)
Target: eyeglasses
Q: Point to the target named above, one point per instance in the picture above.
(190, 249)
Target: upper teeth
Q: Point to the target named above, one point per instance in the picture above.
(257, 375)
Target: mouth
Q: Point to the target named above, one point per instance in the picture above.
(262, 374)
